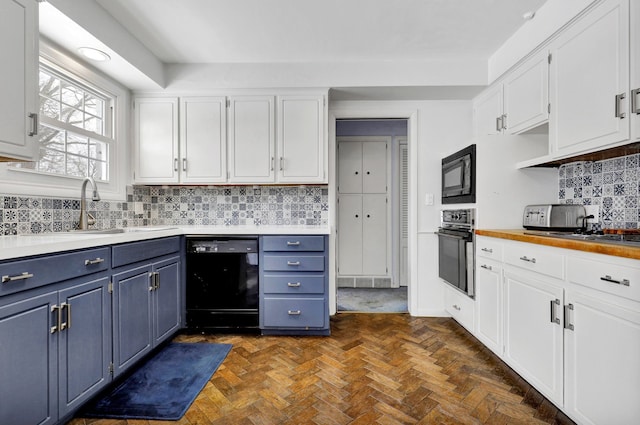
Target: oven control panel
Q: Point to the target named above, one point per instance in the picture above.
(464, 218)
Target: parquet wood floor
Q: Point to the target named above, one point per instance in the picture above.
(374, 369)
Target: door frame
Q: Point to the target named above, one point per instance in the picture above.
(375, 112)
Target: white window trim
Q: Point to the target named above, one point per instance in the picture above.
(24, 182)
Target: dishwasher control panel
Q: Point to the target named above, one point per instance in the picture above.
(222, 245)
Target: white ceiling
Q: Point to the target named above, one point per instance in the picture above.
(268, 31)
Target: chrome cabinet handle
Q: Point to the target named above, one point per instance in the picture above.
(489, 250)
(281, 163)
(54, 328)
(97, 260)
(527, 259)
(484, 266)
(293, 284)
(567, 318)
(34, 124)
(22, 276)
(635, 105)
(619, 98)
(293, 263)
(623, 282)
(294, 312)
(175, 164)
(67, 324)
(554, 318)
(499, 123)
(184, 164)
(456, 307)
(293, 243)
(504, 122)
(272, 162)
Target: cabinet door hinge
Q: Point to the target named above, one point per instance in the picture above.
(549, 58)
(110, 287)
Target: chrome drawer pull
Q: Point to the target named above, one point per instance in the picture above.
(293, 263)
(456, 307)
(294, 312)
(489, 250)
(97, 260)
(530, 260)
(567, 319)
(54, 329)
(484, 266)
(553, 304)
(25, 275)
(293, 284)
(624, 282)
(296, 243)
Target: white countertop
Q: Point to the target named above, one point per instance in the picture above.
(47, 243)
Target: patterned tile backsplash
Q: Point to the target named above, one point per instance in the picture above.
(155, 205)
(612, 184)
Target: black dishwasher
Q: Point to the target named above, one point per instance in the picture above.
(222, 284)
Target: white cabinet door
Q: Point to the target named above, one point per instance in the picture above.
(635, 70)
(487, 112)
(374, 167)
(526, 95)
(156, 140)
(301, 139)
(602, 370)
(350, 167)
(350, 234)
(251, 148)
(533, 339)
(374, 235)
(203, 140)
(589, 68)
(18, 80)
(489, 305)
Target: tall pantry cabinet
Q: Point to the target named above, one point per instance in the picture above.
(363, 209)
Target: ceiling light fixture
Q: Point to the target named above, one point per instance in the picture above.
(94, 54)
(527, 16)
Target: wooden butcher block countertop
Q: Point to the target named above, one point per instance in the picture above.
(632, 250)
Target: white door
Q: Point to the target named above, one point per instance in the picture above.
(489, 306)
(589, 68)
(350, 253)
(602, 369)
(635, 71)
(156, 140)
(350, 167)
(18, 79)
(374, 235)
(404, 214)
(203, 139)
(251, 146)
(526, 95)
(374, 167)
(487, 109)
(533, 343)
(301, 145)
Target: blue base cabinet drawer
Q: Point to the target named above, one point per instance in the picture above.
(295, 312)
(294, 285)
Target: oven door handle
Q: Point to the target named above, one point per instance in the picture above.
(448, 235)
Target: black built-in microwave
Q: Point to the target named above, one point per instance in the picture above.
(459, 177)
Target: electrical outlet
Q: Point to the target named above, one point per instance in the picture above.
(595, 211)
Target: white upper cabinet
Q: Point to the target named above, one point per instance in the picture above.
(301, 139)
(251, 139)
(203, 140)
(19, 80)
(156, 140)
(526, 95)
(589, 88)
(516, 104)
(634, 111)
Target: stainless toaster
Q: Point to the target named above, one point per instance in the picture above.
(554, 216)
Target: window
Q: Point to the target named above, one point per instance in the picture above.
(75, 127)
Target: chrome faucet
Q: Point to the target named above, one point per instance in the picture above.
(87, 219)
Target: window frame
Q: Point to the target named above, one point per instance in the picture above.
(29, 182)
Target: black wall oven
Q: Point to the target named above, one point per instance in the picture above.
(222, 288)
(456, 249)
(459, 177)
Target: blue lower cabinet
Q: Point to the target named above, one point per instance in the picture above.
(294, 285)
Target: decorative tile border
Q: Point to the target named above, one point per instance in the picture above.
(152, 205)
(613, 184)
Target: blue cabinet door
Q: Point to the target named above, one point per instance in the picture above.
(132, 316)
(166, 296)
(28, 361)
(85, 342)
